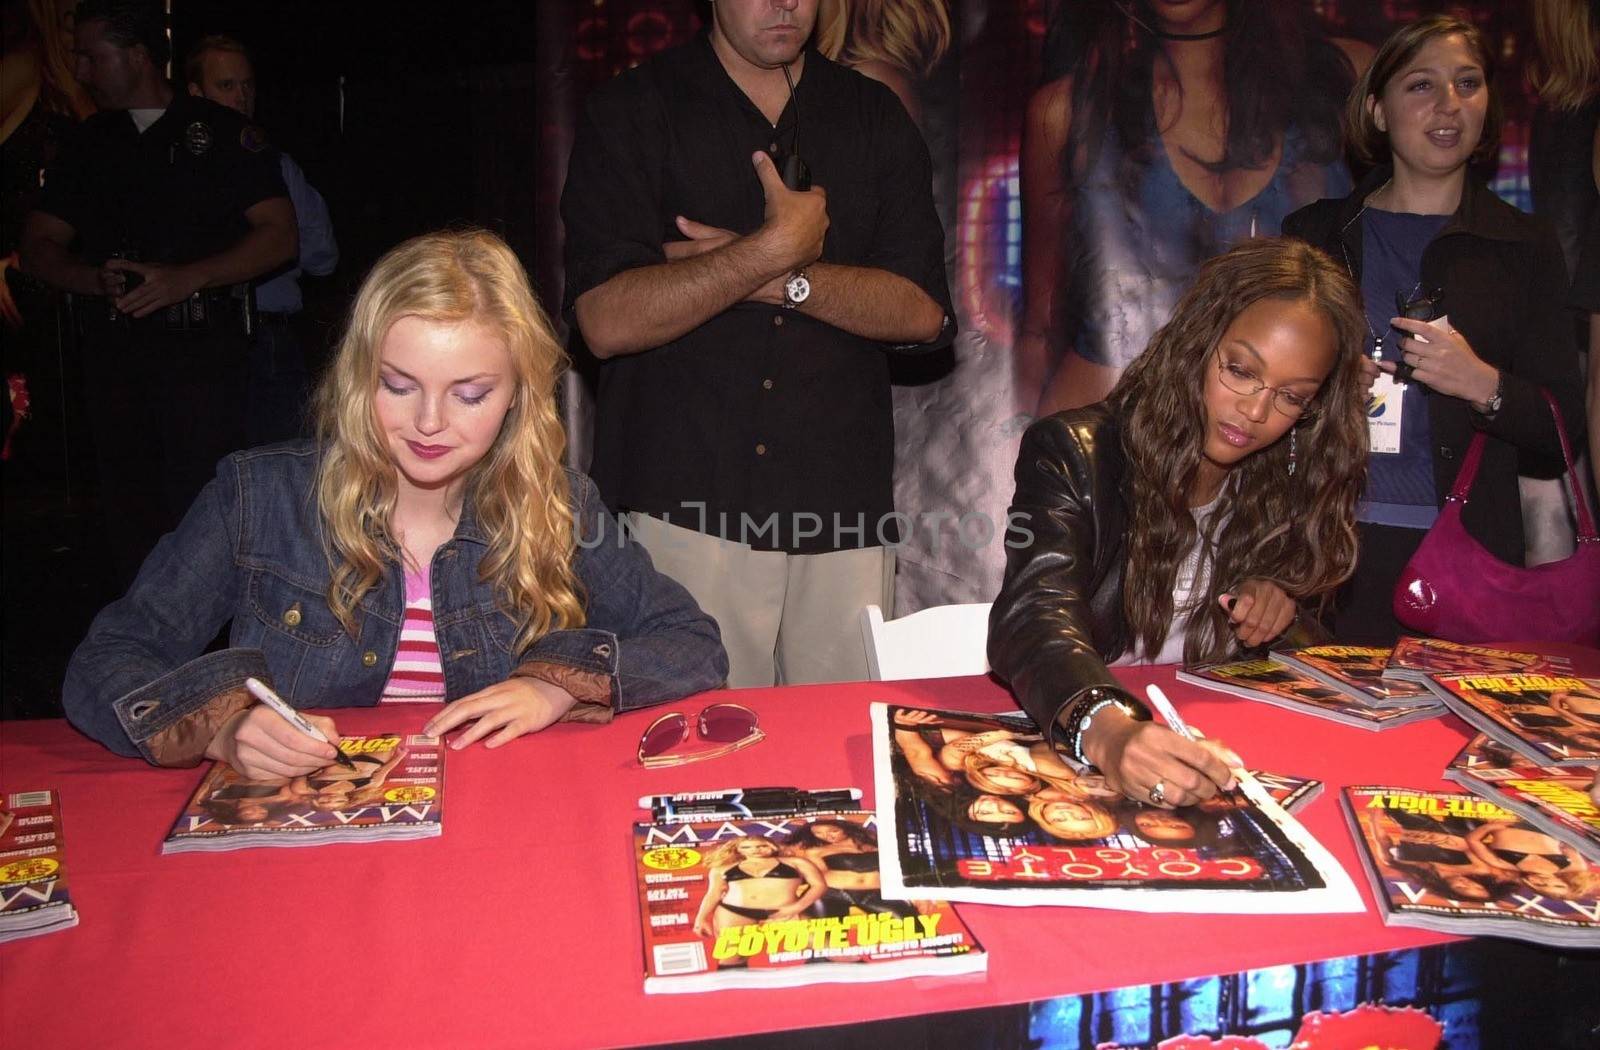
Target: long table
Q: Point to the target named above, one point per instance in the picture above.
(519, 926)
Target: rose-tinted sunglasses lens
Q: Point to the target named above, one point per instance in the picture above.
(662, 737)
(726, 723)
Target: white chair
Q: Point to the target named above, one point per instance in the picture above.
(941, 642)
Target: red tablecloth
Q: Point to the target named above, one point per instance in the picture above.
(518, 926)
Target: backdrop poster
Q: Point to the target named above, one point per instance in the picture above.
(1061, 267)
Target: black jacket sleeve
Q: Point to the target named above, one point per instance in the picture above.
(908, 239)
(1545, 356)
(1042, 627)
(611, 202)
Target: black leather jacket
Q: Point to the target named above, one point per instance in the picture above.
(1058, 618)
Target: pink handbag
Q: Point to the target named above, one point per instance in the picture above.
(1454, 589)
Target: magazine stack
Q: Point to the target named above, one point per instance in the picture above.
(1457, 863)
(1554, 799)
(1414, 659)
(392, 789)
(1549, 719)
(1288, 687)
(33, 876)
(1357, 671)
(782, 900)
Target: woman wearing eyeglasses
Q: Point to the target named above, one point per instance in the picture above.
(1421, 227)
(1188, 516)
(429, 546)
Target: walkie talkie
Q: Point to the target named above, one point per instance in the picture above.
(794, 172)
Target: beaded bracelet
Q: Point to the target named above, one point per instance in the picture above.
(1072, 711)
(1082, 711)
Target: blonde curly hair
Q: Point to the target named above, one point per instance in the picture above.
(519, 490)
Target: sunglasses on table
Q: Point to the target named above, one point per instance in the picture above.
(729, 727)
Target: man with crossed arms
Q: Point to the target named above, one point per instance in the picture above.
(744, 422)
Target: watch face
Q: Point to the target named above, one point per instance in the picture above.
(797, 288)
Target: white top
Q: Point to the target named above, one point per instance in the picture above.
(1188, 589)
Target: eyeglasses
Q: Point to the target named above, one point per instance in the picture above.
(1241, 380)
(730, 726)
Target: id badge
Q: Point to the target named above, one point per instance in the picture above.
(1385, 406)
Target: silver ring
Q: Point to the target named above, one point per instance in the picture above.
(1158, 793)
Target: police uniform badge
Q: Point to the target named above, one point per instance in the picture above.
(253, 138)
(197, 137)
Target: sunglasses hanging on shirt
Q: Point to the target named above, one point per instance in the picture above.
(1418, 306)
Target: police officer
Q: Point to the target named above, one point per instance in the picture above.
(158, 212)
(219, 67)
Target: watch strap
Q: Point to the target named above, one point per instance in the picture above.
(1498, 398)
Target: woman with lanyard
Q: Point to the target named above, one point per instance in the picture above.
(1420, 233)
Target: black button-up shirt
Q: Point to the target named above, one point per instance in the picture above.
(778, 425)
(174, 194)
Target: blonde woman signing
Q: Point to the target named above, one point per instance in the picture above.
(433, 500)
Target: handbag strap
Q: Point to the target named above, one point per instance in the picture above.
(1580, 505)
(1469, 469)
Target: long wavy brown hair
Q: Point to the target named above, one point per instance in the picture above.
(1296, 530)
(1280, 71)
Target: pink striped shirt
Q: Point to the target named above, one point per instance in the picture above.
(417, 675)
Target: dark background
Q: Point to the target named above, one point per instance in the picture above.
(436, 124)
(437, 128)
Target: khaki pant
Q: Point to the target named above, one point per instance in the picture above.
(786, 619)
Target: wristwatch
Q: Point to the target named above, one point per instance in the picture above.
(1496, 399)
(796, 290)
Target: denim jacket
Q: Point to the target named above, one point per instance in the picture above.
(250, 550)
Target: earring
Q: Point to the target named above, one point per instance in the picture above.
(1291, 453)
